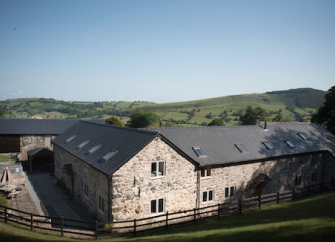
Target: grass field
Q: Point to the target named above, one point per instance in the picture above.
(305, 220)
(5, 158)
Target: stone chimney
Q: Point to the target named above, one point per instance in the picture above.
(257, 120)
(265, 125)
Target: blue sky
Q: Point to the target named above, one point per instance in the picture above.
(163, 51)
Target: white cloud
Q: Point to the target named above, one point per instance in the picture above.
(18, 93)
(120, 96)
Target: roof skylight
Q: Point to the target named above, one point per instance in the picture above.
(302, 136)
(91, 151)
(241, 148)
(82, 144)
(269, 145)
(331, 140)
(289, 144)
(69, 139)
(109, 155)
(199, 152)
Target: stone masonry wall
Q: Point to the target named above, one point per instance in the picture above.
(30, 142)
(178, 187)
(96, 181)
(329, 168)
(282, 173)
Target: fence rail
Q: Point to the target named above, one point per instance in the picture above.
(102, 229)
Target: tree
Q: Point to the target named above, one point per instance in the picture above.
(280, 118)
(3, 113)
(114, 120)
(168, 123)
(142, 119)
(217, 122)
(248, 117)
(209, 116)
(326, 114)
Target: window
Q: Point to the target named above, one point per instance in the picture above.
(297, 181)
(302, 136)
(158, 169)
(314, 177)
(269, 145)
(157, 206)
(241, 148)
(69, 139)
(289, 144)
(82, 145)
(91, 151)
(229, 192)
(101, 204)
(207, 196)
(86, 190)
(206, 172)
(109, 155)
(199, 152)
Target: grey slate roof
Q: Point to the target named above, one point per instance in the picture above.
(126, 141)
(218, 142)
(37, 126)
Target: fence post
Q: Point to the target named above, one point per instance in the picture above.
(293, 194)
(5, 214)
(96, 229)
(62, 225)
(31, 221)
(259, 202)
(194, 215)
(240, 205)
(277, 197)
(135, 227)
(167, 220)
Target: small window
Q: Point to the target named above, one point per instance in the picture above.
(69, 139)
(109, 155)
(289, 144)
(314, 177)
(229, 192)
(297, 181)
(207, 196)
(101, 204)
(241, 148)
(157, 206)
(91, 151)
(206, 172)
(269, 145)
(86, 191)
(302, 136)
(158, 169)
(82, 145)
(199, 152)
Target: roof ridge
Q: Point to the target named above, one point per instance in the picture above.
(120, 127)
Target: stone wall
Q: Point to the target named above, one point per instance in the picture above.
(30, 142)
(96, 181)
(329, 170)
(282, 173)
(134, 188)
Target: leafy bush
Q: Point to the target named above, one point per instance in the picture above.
(3, 201)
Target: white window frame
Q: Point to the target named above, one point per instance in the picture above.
(314, 177)
(157, 167)
(229, 192)
(86, 191)
(157, 206)
(207, 196)
(205, 171)
(297, 180)
(101, 205)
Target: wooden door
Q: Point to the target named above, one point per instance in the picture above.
(258, 189)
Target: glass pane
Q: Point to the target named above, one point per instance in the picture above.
(226, 192)
(296, 180)
(102, 205)
(161, 205)
(153, 169)
(199, 151)
(269, 146)
(161, 169)
(210, 196)
(204, 197)
(209, 172)
(202, 172)
(153, 206)
(232, 191)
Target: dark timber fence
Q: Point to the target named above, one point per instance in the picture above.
(100, 229)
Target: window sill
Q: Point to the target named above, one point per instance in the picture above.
(205, 177)
(102, 212)
(207, 202)
(156, 177)
(86, 197)
(229, 197)
(156, 214)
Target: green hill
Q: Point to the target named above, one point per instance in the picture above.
(293, 103)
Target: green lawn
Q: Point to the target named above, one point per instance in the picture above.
(305, 220)
(4, 158)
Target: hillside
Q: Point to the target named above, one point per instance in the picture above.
(294, 103)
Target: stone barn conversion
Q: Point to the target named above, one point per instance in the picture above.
(121, 173)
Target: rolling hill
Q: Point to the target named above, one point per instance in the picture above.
(293, 103)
